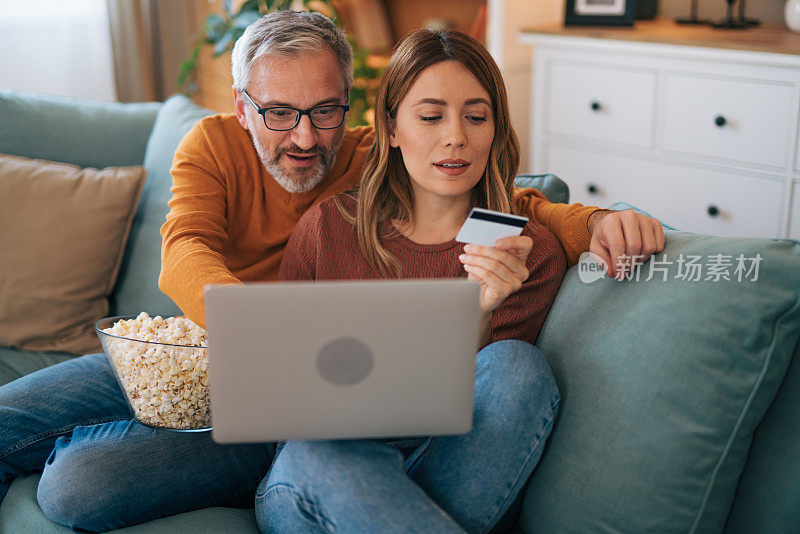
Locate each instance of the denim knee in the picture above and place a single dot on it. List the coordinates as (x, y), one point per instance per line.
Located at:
(290, 498)
(73, 488)
(280, 508)
(302, 462)
(518, 372)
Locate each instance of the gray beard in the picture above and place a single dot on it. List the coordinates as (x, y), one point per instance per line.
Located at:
(294, 183)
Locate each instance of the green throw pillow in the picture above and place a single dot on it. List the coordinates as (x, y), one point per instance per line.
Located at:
(662, 386)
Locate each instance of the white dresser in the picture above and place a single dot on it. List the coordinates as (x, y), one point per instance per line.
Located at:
(698, 128)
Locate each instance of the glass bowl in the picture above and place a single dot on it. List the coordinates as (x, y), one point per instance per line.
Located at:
(165, 385)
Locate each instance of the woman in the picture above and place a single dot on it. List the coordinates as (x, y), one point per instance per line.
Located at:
(444, 144)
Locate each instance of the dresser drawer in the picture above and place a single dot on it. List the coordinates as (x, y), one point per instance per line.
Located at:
(794, 215)
(708, 202)
(737, 120)
(604, 103)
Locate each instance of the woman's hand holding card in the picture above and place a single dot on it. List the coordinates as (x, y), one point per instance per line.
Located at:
(501, 269)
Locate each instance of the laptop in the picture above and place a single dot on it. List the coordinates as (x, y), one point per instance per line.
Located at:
(341, 359)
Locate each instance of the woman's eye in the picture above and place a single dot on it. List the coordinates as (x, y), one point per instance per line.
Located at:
(431, 118)
(476, 119)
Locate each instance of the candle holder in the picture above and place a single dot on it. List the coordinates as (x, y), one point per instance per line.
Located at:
(692, 16)
(744, 20)
(730, 23)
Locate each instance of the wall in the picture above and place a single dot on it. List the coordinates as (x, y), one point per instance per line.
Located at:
(506, 19)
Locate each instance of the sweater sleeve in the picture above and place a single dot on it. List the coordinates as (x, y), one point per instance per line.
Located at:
(300, 256)
(194, 233)
(569, 222)
(522, 314)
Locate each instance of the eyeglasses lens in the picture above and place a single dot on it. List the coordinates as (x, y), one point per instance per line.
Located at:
(286, 118)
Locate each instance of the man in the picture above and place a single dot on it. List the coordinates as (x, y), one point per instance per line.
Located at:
(240, 184)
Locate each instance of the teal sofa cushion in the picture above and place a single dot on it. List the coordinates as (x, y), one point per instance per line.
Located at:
(768, 497)
(551, 185)
(662, 385)
(20, 512)
(15, 363)
(83, 132)
(137, 285)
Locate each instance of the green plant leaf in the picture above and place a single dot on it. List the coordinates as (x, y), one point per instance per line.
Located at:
(243, 20)
(236, 32)
(222, 45)
(215, 28)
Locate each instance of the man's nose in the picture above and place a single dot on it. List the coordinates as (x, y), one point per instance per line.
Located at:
(455, 135)
(304, 134)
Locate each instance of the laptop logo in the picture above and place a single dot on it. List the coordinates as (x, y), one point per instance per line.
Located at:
(345, 361)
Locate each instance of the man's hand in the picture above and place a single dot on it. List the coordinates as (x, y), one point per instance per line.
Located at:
(621, 237)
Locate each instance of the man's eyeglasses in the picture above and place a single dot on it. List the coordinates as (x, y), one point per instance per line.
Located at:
(283, 118)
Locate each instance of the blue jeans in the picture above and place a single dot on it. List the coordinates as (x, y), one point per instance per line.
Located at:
(447, 484)
(102, 470)
(71, 421)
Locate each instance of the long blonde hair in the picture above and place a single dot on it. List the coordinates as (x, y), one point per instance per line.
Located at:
(385, 192)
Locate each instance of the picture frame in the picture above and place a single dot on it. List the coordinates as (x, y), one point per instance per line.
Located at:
(600, 12)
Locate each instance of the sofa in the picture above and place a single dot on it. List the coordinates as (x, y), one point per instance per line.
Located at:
(680, 407)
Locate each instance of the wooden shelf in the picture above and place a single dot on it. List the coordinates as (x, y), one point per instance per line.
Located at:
(408, 15)
(767, 38)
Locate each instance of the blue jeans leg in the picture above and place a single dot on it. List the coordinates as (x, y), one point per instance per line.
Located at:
(101, 470)
(477, 476)
(118, 474)
(37, 409)
(345, 486)
(456, 482)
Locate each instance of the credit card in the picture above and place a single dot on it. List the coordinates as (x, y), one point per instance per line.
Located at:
(485, 227)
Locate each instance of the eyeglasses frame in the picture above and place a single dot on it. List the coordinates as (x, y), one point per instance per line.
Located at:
(300, 113)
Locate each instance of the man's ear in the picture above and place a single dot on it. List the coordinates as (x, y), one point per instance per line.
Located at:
(390, 125)
(239, 104)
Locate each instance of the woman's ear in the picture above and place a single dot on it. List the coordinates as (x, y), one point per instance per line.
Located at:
(390, 125)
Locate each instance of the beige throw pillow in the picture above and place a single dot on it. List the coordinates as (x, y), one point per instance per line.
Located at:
(62, 234)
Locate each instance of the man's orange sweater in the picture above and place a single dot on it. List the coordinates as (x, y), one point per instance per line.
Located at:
(229, 220)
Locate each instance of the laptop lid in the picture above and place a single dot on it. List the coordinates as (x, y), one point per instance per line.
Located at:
(341, 359)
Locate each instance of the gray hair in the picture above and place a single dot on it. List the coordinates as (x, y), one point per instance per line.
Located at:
(293, 33)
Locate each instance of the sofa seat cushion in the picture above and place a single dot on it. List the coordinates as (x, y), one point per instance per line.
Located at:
(15, 363)
(64, 230)
(663, 383)
(20, 512)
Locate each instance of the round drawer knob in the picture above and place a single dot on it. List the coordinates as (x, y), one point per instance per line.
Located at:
(592, 189)
(595, 105)
(713, 211)
(720, 121)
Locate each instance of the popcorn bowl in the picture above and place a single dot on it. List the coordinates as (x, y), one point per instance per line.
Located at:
(165, 384)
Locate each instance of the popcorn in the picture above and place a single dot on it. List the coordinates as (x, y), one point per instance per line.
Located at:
(165, 379)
